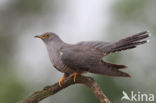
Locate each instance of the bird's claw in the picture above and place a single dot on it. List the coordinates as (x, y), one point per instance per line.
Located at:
(74, 76)
(61, 80)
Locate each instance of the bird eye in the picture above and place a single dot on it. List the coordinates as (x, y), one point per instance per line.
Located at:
(47, 35)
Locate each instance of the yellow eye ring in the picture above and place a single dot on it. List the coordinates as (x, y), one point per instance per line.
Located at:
(47, 35)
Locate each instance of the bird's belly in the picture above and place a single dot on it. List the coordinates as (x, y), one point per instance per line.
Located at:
(65, 69)
(55, 58)
(57, 63)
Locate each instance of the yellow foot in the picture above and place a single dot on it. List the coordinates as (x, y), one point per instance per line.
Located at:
(61, 80)
(74, 75)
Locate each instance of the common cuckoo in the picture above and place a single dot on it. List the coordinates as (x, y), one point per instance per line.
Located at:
(87, 56)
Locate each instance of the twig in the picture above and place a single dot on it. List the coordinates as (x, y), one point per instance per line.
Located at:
(51, 90)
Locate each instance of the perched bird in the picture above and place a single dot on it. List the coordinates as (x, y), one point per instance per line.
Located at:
(87, 56)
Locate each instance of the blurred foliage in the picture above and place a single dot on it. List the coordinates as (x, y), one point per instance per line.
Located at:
(14, 19)
(127, 13)
(11, 88)
(29, 6)
(130, 9)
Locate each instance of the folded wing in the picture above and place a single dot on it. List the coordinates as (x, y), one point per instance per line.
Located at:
(90, 60)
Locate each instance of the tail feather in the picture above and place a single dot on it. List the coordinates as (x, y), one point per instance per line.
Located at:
(123, 44)
(117, 66)
(130, 42)
(109, 69)
(128, 46)
(136, 37)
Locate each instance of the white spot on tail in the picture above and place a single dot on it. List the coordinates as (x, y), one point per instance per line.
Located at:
(147, 41)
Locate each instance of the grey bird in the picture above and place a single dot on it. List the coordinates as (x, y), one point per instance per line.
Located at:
(87, 56)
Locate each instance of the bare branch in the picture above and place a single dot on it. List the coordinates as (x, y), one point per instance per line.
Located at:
(51, 90)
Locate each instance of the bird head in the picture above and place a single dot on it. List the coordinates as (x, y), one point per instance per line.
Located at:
(47, 37)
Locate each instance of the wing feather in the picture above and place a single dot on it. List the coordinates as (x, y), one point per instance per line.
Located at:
(90, 60)
(80, 58)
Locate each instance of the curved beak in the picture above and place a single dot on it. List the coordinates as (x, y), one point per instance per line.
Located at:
(39, 36)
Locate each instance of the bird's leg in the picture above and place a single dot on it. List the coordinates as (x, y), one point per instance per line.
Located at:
(74, 75)
(61, 80)
(64, 76)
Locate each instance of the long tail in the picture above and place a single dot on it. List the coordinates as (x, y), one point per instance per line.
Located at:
(123, 44)
(129, 42)
(109, 69)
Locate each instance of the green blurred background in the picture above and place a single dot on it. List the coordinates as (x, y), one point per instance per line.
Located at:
(24, 63)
